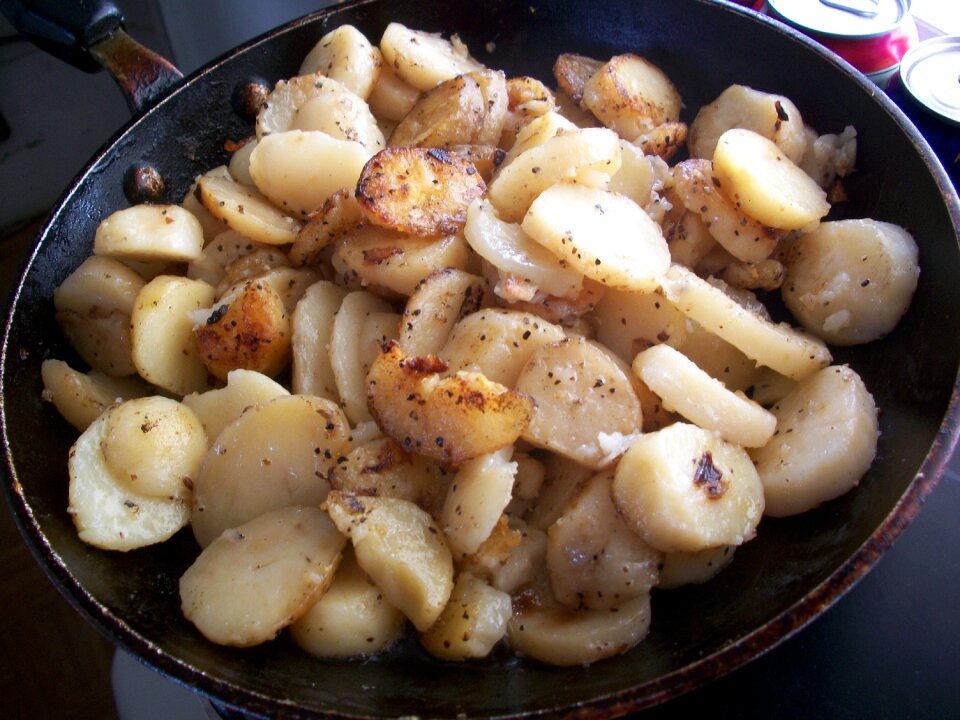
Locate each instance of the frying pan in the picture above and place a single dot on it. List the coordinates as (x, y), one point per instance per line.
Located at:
(776, 584)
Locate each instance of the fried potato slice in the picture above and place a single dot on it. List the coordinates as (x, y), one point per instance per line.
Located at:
(424, 59)
(476, 499)
(149, 233)
(219, 407)
(418, 191)
(82, 397)
(572, 72)
(311, 330)
(392, 98)
(440, 300)
(452, 113)
(473, 622)
(257, 578)
(449, 419)
(246, 210)
(339, 214)
(346, 55)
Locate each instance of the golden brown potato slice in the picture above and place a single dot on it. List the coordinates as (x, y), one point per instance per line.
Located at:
(572, 73)
(449, 419)
(339, 214)
(485, 158)
(418, 191)
(452, 113)
(251, 332)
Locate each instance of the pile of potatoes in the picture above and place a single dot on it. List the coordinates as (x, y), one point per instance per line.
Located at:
(453, 351)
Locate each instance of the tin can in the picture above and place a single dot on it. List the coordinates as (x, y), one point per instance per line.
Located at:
(872, 35)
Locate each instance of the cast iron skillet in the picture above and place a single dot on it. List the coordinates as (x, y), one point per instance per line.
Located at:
(776, 584)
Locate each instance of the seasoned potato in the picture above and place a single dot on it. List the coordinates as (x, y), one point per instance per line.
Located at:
(245, 210)
(585, 402)
(259, 577)
(102, 340)
(344, 54)
(771, 115)
(825, 442)
(418, 191)
(686, 489)
(392, 98)
(402, 550)
(629, 322)
(339, 214)
(497, 343)
(290, 284)
(452, 113)
(829, 156)
(423, 59)
(850, 281)
(777, 346)
(476, 499)
(537, 132)
(472, 623)
(276, 453)
(525, 561)
(682, 568)
(100, 285)
(149, 233)
(589, 156)
(107, 513)
(663, 141)
(703, 400)
(253, 260)
(605, 236)
(161, 328)
(220, 407)
(450, 419)
(311, 330)
(298, 170)
(763, 183)
(251, 332)
(219, 254)
(594, 560)
(155, 445)
(439, 301)
(351, 619)
(572, 72)
(81, 397)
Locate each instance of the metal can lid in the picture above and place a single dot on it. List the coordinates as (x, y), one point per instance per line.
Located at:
(842, 18)
(930, 71)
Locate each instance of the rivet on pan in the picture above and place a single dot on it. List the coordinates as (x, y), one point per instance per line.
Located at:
(143, 183)
(248, 97)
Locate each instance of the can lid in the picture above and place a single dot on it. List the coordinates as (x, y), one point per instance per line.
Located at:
(842, 18)
(930, 72)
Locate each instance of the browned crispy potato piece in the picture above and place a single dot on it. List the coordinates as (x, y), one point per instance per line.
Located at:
(451, 113)
(572, 73)
(339, 214)
(448, 419)
(485, 158)
(663, 140)
(251, 332)
(418, 191)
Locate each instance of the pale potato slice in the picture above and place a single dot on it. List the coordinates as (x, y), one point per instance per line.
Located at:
(392, 264)
(155, 445)
(239, 165)
(589, 156)
(631, 95)
(99, 283)
(148, 233)
(537, 132)
(346, 55)
(778, 346)
(452, 113)
(298, 170)
(211, 225)
(764, 183)
(105, 511)
(594, 559)
(247, 211)
(438, 302)
(164, 350)
(220, 407)
(562, 481)
(583, 400)
(402, 550)
(249, 331)
(690, 240)
(351, 619)
(605, 236)
(382, 468)
(423, 59)
(508, 248)
(498, 342)
(721, 360)
(276, 453)
(102, 340)
(525, 562)
(392, 98)
(419, 191)
(81, 397)
(349, 371)
(219, 254)
(686, 489)
(568, 638)
(825, 442)
(450, 419)
(694, 568)
(850, 281)
(473, 622)
(638, 177)
(259, 577)
(312, 329)
(629, 322)
(254, 264)
(477, 497)
(771, 115)
(701, 399)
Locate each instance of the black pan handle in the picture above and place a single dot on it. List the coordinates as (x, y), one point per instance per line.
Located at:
(89, 35)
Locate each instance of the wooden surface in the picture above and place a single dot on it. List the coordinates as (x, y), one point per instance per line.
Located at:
(56, 665)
